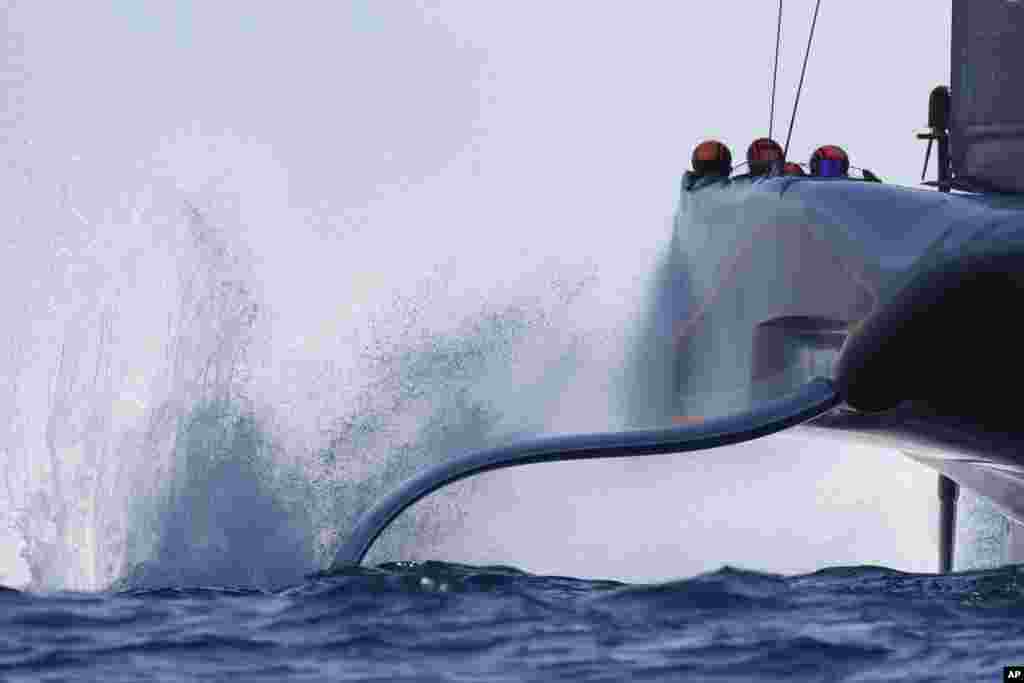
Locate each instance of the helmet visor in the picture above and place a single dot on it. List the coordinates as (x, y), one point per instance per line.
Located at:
(830, 168)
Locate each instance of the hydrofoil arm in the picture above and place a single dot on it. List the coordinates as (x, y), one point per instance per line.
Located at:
(810, 401)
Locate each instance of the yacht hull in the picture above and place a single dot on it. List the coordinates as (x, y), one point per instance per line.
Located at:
(904, 297)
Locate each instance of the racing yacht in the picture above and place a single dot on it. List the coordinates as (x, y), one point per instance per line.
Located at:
(874, 312)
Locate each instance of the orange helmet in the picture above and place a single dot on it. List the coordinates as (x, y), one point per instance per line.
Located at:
(712, 157)
(830, 160)
(762, 153)
(793, 168)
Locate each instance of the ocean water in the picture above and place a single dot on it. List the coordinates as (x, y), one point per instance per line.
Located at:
(434, 621)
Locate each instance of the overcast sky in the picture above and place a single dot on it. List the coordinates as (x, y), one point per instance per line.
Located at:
(364, 144)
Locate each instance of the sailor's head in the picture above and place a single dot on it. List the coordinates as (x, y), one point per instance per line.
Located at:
(711, 157)
(830, 161)
(762, 154)
(793, 168)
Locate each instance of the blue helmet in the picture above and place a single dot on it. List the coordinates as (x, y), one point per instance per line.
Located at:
(830, 161)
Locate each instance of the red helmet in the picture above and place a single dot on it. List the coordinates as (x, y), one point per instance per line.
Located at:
(793, 168)
(712, 157)
(830, 153)
(762, 153)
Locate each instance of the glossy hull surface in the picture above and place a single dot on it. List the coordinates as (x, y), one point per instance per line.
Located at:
(787, 279)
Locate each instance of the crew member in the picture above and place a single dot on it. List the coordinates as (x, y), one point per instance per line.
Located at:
(830, 161)
(711, 160)
(763, 155)
(793, 168)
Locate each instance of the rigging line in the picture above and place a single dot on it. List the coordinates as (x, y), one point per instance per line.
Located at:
(800, 87)
(775, 74)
